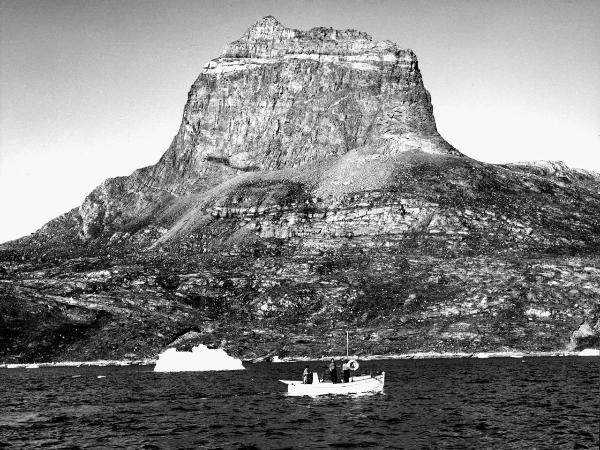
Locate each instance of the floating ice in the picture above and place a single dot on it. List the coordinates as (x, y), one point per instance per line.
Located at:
(590, 352)
(201, 358)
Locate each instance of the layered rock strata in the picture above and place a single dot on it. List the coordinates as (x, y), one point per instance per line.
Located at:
(277, 98)
(308, 192)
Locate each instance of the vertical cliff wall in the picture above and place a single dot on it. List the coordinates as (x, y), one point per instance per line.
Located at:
(278, 98)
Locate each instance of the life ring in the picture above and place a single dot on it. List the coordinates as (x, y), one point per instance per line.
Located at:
(353, 364)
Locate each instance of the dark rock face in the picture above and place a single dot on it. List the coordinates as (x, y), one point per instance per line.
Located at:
(306, 192)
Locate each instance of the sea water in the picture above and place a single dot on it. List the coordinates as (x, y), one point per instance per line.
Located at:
(437, 403)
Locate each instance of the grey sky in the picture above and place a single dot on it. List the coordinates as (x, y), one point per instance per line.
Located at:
(94, 89)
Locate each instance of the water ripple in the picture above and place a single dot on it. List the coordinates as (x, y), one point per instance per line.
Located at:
(492, 403)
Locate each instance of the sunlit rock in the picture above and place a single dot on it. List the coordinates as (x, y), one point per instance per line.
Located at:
(307, 190)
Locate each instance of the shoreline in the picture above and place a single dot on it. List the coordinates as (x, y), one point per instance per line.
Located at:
(97, 363)
(276, 359)
(450, 355)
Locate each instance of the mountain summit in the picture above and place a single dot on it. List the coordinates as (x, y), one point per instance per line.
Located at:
(307, 190)
(279, 98)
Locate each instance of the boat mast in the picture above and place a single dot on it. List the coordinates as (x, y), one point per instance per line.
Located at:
(346, 343)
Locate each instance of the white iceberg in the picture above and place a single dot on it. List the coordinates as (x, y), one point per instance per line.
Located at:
(201, 358)
(590, 352)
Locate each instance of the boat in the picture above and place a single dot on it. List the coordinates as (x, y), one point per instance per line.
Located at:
(358, 385)
(363, 384)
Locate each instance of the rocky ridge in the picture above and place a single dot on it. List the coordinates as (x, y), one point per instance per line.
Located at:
(307, 192)
(278, 98)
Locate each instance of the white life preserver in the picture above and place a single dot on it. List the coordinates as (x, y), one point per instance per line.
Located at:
(353, 364)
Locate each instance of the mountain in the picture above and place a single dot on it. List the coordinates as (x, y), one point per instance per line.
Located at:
(306, 192)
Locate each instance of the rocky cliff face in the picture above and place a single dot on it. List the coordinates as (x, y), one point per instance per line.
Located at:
(308, 191)
(278, 98)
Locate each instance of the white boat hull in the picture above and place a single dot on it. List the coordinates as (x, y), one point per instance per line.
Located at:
(358, 385)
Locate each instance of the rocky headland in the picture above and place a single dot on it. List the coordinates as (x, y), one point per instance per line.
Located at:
(306, 192)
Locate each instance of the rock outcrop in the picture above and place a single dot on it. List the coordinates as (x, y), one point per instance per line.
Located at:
(278, 98)
(308, 191)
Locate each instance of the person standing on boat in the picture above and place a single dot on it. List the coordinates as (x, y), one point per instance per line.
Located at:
(332, 371)
(307, 376)
(346, 371)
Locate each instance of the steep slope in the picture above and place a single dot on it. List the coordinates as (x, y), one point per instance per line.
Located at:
(306, 192)
(278, 98)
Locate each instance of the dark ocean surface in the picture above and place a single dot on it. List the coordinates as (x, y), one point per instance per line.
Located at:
(444, 403)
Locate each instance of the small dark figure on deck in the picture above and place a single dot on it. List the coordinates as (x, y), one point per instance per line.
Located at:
(307, 376)
(346, 371)
(332, 371)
